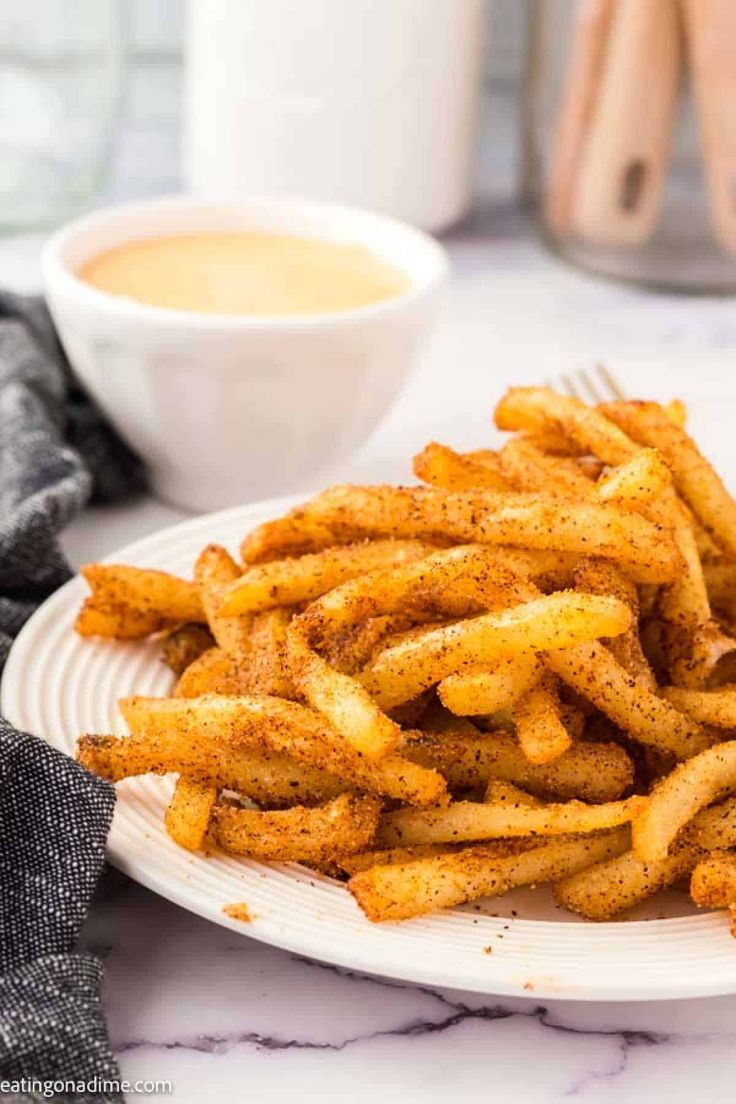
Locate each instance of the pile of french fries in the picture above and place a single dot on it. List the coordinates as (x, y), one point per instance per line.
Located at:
(515, 673)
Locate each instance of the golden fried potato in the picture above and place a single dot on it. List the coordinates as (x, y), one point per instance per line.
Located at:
(269, 778)
(182, 645)
(262, 724)
(189, 813)
(469, 759)
(128, 603)
(346, 824)
(400, 891)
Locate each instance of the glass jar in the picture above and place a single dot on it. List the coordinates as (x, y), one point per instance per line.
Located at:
(631, 138)
(61, 64)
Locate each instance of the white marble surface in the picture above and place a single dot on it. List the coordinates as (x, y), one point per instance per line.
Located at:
(223, 1016)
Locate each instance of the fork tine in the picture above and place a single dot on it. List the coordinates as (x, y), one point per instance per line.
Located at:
(611, 382)
(589, 388)
(568, 386)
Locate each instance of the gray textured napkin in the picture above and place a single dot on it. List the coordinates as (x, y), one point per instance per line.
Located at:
(56, 454)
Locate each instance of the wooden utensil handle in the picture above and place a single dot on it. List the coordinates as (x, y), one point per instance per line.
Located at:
(625, 156)
(710, 28)
(587, 51)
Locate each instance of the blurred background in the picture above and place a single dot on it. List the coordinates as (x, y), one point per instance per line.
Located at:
(141, 92)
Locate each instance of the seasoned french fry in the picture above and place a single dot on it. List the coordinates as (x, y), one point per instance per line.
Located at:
(486, 691)
(268, 778)
(189, 813)
(457, 580)
(540, 730)
(340, 698)
(594, 576)
(527, 468)
(539, 409)
(129, 602)
(292, 581)
(261, 724)
(345, 824)
(720, 580)
(211, 673)
(119, 623)
(184, 644)
(713, 881)
(469, 820)
(214, 571)
(638, 482)
(505, 793)
(605, 890)
(559, 590)
(677, 798)
(443, 467)
(555, 621)
(268, 669)
(364, 860)
(398, 892)
(469, 759)
(695, 478)
(592, 671)
(709, 707)
(619, 883)
(530, 521)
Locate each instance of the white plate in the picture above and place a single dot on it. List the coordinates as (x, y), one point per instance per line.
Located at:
(57, 685)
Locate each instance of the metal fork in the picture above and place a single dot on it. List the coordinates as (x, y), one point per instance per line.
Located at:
(597, 385)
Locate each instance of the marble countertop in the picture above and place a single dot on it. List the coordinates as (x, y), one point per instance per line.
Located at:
(217, 1013)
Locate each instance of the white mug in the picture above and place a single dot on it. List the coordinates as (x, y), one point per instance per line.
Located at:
(367, 102)
(230, 408)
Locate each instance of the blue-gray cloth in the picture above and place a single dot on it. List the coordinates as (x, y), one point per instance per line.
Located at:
(57, 454)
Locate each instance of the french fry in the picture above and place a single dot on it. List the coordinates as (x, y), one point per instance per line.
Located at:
(266, 777)
(604, 890)
(214, 571)
(293, 581)
(119, 623)
(677, 798)
(443, 467)
(189, 813)
(398, 892)
(540, 730)
(264, 725)
(713, 881)
(592, 671)
(469, 759)
(695, 478)
(340, 698)
(469, 820)
(457, 580)
(364, 860)
(213, 672)
(539, 409)
(184, 644)
(527, 468)
(486, 691)
(321, 834)
(551, 622)
(566, 557)
(505, 793)
(130, 602)
(268, 669)
(716, 708)
(594, 576)
(619, 883)
(530, 521)
(637, 482)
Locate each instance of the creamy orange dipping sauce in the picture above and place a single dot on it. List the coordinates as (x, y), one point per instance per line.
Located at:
(233, 272)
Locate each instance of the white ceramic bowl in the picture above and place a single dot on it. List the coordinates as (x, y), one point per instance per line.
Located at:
(225, 409)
